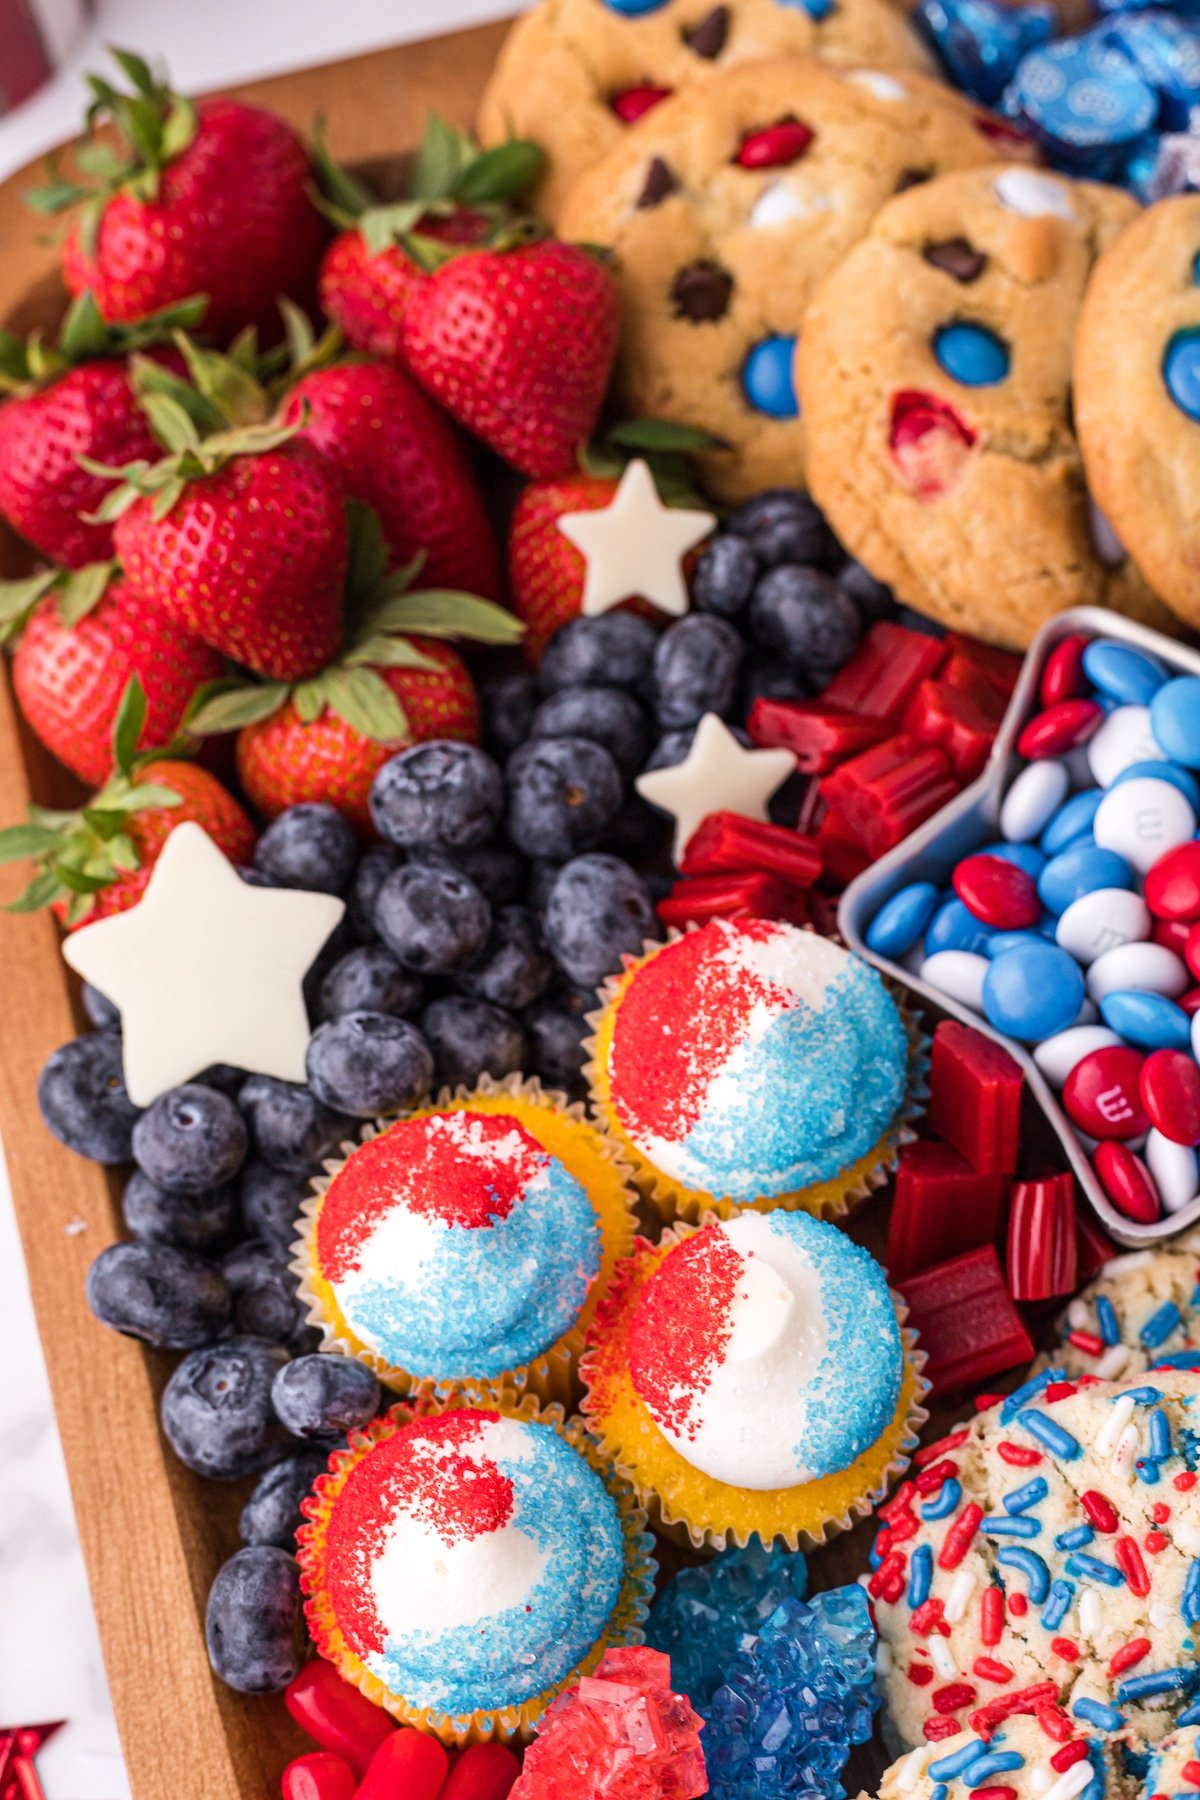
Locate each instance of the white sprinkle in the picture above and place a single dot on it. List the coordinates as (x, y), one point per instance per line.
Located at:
(959, 1597)
(913, 1767)
(1079, 1315)
(864, 1581)
(1090, 1616)
(1041, 1778)
(883, 1659)
(1125, 1265)
(944, 1665)
(1113, 1361)
(1187, 1537)
(1114, 1425)
(1160, 1615)
(1125, 1452)
(1073, 1782)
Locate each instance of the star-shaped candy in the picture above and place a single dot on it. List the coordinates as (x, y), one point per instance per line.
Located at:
(206, 969)
(635, 545)
(717, 775)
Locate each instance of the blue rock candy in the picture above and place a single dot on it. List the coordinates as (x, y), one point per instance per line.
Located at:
(703, 1616)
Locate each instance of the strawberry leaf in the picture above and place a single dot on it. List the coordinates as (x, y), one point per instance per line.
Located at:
(149, 796)
(504, 173)
(81, 590)
(20, 842)
(170, 422)
(388, 653)
(106, 822)
(367, 704)
(42, 891)
(84, 332)
(442, 159)
(446, 612)
(383, 227)
(131, 717)
(368, 551)
(226, 383)
(221, 706)
(661, 434)
(135, 69)
(348, 196)
(178, 130)
(18, 599)
(309, 700)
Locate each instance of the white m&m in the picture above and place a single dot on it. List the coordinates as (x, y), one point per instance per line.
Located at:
(1150, 968)
(1100, 921)
(1142, 818)
(1125, 737)
(1033, 799)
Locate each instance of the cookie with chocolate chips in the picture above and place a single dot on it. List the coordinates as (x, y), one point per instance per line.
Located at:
(574, 74)
(725, 206)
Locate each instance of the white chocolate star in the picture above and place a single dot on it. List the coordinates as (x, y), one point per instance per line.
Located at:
(206, 969)
(635, 545)
(717, 775)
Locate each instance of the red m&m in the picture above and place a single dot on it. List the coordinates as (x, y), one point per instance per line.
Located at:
(1062, 676)
(997, 892)
(1172, 888)
(1060, 728)
(1127, 1182)
(1170, 1089)
(1102, 1094)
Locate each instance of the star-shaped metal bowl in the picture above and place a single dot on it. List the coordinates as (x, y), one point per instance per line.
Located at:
(972, 820)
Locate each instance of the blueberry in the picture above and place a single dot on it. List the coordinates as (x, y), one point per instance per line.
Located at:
(289, 1128)
(438, 796)
(100, 1010)
(542, 876)
(253, 1623)
(557, 1026)
(310, 846)
(166, 1297)
(367, 1063)
(375, 865)
(190, 1139)
(599, 911)
(509, 703)
(514, 966)
(263, 1290)
(873, 600)
(470, 1038)
(782, 525)
(671, 748)
(725, 576)
(81, 1093)
(324, 1396)
(766, 676)
(606, 715)
(497, 869)
(563, 794)
(368, 979)
(222, 1076)
(640, 833)
(216, 1409)
(433, 918)
(695, 670)
(805, 617)
(272, 1513)
(271, 1202)
(614, 650)
(201, 1222)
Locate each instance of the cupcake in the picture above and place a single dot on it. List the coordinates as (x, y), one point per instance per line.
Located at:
(1141, 1311)
(752, 1378)
(466, 1246)
(463, 1565)
(750, 1064)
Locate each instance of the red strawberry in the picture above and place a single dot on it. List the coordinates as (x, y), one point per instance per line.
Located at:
(545, 570)
(365, 291)
(210, 198)
(392, 449)
(83, 640)
(518, 345)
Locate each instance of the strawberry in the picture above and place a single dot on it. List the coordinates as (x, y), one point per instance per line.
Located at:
(210, 198)
(325, 738)
(392, 449)
(97, 861)
(65, 401)
(518, 345)
(364, 290)
(82, 637)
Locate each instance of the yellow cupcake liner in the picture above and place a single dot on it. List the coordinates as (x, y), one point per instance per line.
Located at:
(691, 1507)
(564, 1129)
(831, 1199)
(625, 1624)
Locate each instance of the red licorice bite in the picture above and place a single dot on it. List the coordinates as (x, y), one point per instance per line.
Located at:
(884, 673)
(336, 1715)
(481, 1772)
(975, 1099)
(411, 1763)
(1042, 1258)
(819, 735)
(726, 843)
(319, 1776)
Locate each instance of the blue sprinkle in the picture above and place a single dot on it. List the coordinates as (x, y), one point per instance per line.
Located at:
(1190, 1715)
(1160, 1325)
(947, 1767)
(1031, 1565)
(1019, 1500)
(1141, 1396)
(1106, 1315)
(1052, 1435)
(1096, 1787)
(1057, 1603)
(1195, 1299)
(875, 1557)
(1189, 1606)
(1179, 1359)
(998, 1763)
(1028, 1390)
(944, 1502)
(920, 1575)
(1001, 1525)
(1075, 1539)
(1098, 1712)
(1147, 1471)
(1094, 1569)
(1161, 1681)
(940, 1791)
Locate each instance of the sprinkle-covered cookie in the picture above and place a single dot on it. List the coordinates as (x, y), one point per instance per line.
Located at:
(725, 207)
(575, 74)
(1137, 395)
(935, 375)
(1142, 1309)
(1020, 1758)
(1044, 1560)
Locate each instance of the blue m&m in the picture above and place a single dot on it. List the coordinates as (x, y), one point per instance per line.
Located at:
(1124, 673)
(971, 354)
(633, 9)
(1033, 992)
(901, 921)
(1181, 370)
(1175, 717)
(769, 378)
(1077, 870)
(1148, 1020)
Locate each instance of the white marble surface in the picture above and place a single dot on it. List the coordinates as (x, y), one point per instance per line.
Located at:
(50, 1664)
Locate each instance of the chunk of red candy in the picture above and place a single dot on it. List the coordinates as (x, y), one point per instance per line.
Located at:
(482, 1772)
(336, 1715)
(1190, 1002)
(822, 912)
(999, 668)
(1172, 934)
(939, 713)
(724, 842)
(1102, 1094)
(1059, 729)
(1041, 1238)
(641, 1742)
(1191, 947)
(885, 672)
(1170, 1089)
(967, 1323)
(888, 791)
(633, 102)
(1062, 671)
(1172, 886)
(319, 1776)
(941, 1207)
(819, 735)
(843, 858)
(410, 1765)
(752, 894)
(1127, 1182)
(774, 146)
(929, 441)
(1093, 1248)
(975, 1091)
(997, 892)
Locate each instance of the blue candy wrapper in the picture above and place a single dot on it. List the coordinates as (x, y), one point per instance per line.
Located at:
(980, 43)
(1084, 102)
(1165, 51)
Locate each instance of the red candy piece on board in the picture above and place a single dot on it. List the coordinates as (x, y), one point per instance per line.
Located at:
(1059, 729)
(1170, 1089)
(749, 895)
(1102, 1094)
(941, 714)
(999, 668)
(929, 441)
(320, 1776)
(1172, 886)
(482, 1772)
(409, 1763)
(619, 1732)
(967, 1323)
(1062, 672)
(885, 672)
(774, 146)
(1093, 1248)
(724, 842)
(818, 735)
(1128, 1183)
(844, 859)
(887, 792)
(975, 1091)
(941, 1207)
(997, 892)
(336, 1715)
(1042, 1256)
(632, 103)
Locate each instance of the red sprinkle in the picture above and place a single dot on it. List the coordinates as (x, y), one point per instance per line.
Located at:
(1128, 1655)
(887, 1583)
(1018, 1605)
(930, 1480)
(1054, 1722)
(1069, 1755)
(958, 1539)
(991, 1621)
(932, 1452)
(983, 1402)
(1129, 1560)
(1018, 1455)
(988, 1669)
(996, 1793)
(948, 1699)
(927, 1618)
(1023, 1700)
(1191, 1772)
(935, 1728)
(1059, 1390)
(1185, 1482)
(1100, 1511)
(900, 1501)
(902, 1527)
(1065, 1647)
(920, 1674)
(1155, 1541)
(1087, 1341)
(1160, 1512)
